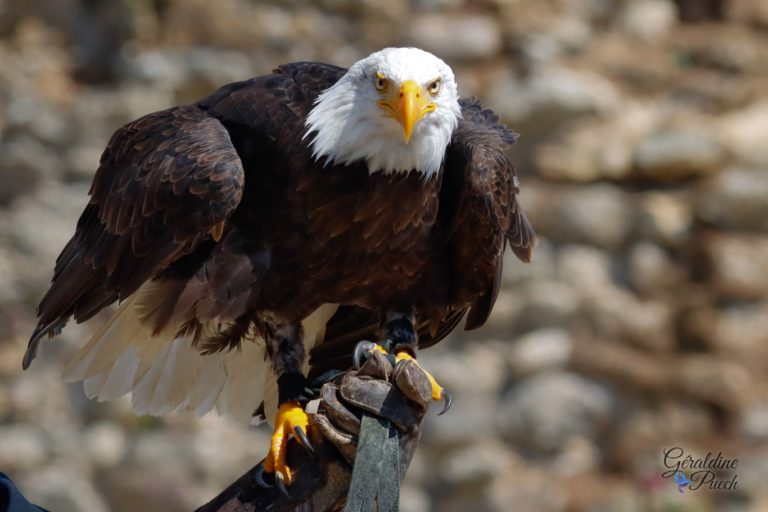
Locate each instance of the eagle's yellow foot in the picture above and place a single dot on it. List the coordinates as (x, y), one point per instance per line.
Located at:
(291, 421)
(438, 391)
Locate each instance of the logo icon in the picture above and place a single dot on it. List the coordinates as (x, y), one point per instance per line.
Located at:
(681, 480)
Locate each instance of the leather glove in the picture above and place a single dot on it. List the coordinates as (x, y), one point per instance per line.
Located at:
(400, 394)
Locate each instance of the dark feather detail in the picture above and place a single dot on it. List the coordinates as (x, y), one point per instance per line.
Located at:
(165, 184)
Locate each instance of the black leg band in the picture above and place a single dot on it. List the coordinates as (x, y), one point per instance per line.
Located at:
(290, 386)
(401, 335)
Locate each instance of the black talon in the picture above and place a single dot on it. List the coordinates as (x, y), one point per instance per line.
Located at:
(281, 485)
(360, 349)
(448, 400)
(259, 477)
(302, 436)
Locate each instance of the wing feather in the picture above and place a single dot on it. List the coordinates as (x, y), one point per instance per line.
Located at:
(487, 214)
(165, 184)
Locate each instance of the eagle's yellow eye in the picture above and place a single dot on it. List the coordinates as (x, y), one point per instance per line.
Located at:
(434, 87)
(380, 82)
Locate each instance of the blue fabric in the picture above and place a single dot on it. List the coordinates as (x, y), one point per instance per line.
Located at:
(11, 500)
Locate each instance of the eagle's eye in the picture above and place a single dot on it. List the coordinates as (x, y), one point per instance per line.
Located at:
(380, 82)
(434, 87)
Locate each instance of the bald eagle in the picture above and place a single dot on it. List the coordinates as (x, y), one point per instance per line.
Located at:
(286, 217)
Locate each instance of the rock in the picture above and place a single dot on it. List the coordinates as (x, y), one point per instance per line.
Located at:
(735, 199)
(541, 266)
(42, 121)
(25, 163)
(743, 133)
(502, 322)
(620, 364)
(541, 350)
(753, 471)
(478, 461)
(748, 11)
(430, 5)
(162, 67)
(651, 271)
(648, 20)
(586, 269)
(483, 361)
(591, 149)
(735, 54)
(43, 223)
(41, 398)
(11, 291)
(663, 218)
(105, 443)
(471, 418)
(547, 304)
(21, 447)
(644, 430)
(544, 411)
(738, 265)
(82, 162)
(221, 448)
(697, 11)
(550, 95)
(455, 37)
(98, 113)
(57, 487)
(736, 331)
(672, 155)
(528, 490)
(586, 154)
(740, 330)
(207, 69)
(149, 489)
(578, 456)
(413, 498)
(560, 37)
(160, 453)
(474, 400)
(616, 314)
(753, 422)
(597, 214)
(715, 381)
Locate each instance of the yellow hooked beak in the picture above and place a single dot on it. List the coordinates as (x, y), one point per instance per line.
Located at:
(407, 106)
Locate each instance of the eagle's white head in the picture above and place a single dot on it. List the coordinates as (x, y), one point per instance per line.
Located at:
(396, 109)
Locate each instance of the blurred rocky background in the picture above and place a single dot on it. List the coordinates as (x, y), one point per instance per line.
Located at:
(642, 323)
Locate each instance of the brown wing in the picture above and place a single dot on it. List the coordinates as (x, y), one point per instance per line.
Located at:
(166, 182)
(481, 183)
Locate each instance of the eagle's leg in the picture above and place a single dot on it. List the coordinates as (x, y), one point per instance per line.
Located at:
(401, 339)
(285, 347)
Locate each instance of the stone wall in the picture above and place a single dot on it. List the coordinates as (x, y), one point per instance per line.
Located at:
(641, 325)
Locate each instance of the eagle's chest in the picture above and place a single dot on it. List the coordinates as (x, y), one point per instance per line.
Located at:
(369, 218)
(358, 238)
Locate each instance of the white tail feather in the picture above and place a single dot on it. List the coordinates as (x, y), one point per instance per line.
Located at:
(165, 373)
(120, 376)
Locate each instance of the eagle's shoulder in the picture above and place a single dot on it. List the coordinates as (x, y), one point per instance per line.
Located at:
(311, 77)
(480, 125)
(270, 101)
